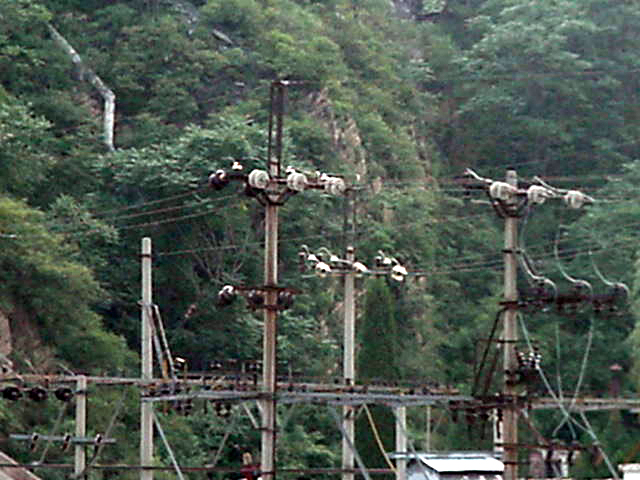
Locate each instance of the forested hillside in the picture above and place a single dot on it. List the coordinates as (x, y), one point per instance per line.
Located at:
(399, 99)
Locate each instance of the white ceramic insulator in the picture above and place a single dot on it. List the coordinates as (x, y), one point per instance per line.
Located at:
(296, 181)
(502, 191)
(258, 179)
(574, 199)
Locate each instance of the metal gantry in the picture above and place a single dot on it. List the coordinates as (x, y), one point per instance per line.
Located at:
(229, 390)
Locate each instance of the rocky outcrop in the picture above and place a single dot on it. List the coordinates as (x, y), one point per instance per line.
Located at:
(27, 350)
(5, 336)
(345, 136)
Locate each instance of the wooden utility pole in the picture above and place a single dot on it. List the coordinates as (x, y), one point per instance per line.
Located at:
(349, 369)
(146, 408)
(510, 337)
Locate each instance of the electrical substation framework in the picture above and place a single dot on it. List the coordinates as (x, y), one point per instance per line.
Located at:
(272, 187)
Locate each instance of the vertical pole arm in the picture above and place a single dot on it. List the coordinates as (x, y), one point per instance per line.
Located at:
(146, 408)
(348, 411)
(81, 424)
(510, 337)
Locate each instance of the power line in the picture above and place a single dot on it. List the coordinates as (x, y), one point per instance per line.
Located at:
(82, 231)
(150, 202)
(463, 266)
(514, 74)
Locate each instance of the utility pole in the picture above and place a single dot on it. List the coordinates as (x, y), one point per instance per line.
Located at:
(427, 441)
(349, 368)
(510, 337)
(348, 267)
(268, 438)
(509, 202)
(81, 424)
(272, 189)
(401, 442)
(146, 408)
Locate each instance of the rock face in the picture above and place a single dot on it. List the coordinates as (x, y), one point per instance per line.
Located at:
(6, 345)
(345, 136)
(27, 349)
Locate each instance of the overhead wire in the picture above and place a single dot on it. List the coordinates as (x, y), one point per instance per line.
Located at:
(450, 268)
(558, 375)
(147, 203)
(566, 252)
(460, 267)
(597, 443)
(73, 230)
(563, 252)
(513, 74)
(546, 382)
(581, 375)
(376, 435)
(585, 426)
(433, 270)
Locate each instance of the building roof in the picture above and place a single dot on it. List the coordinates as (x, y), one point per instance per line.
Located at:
(457, 462)
(14, 473)
(629, 467)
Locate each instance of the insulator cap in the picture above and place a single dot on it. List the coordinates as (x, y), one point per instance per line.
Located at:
(502, 191)
(285, 299)
(322, 269)
(226, 295)
(574, 199)
(537, 194)
(64, 394)
(37, 394)
(398, 272)
(258, 179)
(359, 267)
(255, 298)
(11, 393)
(335, 186)
(296, 181)
(218, 180)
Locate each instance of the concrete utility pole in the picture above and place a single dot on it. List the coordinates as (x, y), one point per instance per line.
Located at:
(349, 368)
(81, 423)
(427, 440)
(268, 439)
(348, 267)
(510, 337)
(146, 408)
(272, 189)
(401, 442)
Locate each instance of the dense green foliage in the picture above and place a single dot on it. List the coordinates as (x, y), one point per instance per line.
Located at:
(398, 98)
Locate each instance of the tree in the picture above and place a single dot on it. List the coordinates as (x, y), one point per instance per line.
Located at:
(376, 361)
(540, 87)
(49, 297)
(24, 160)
